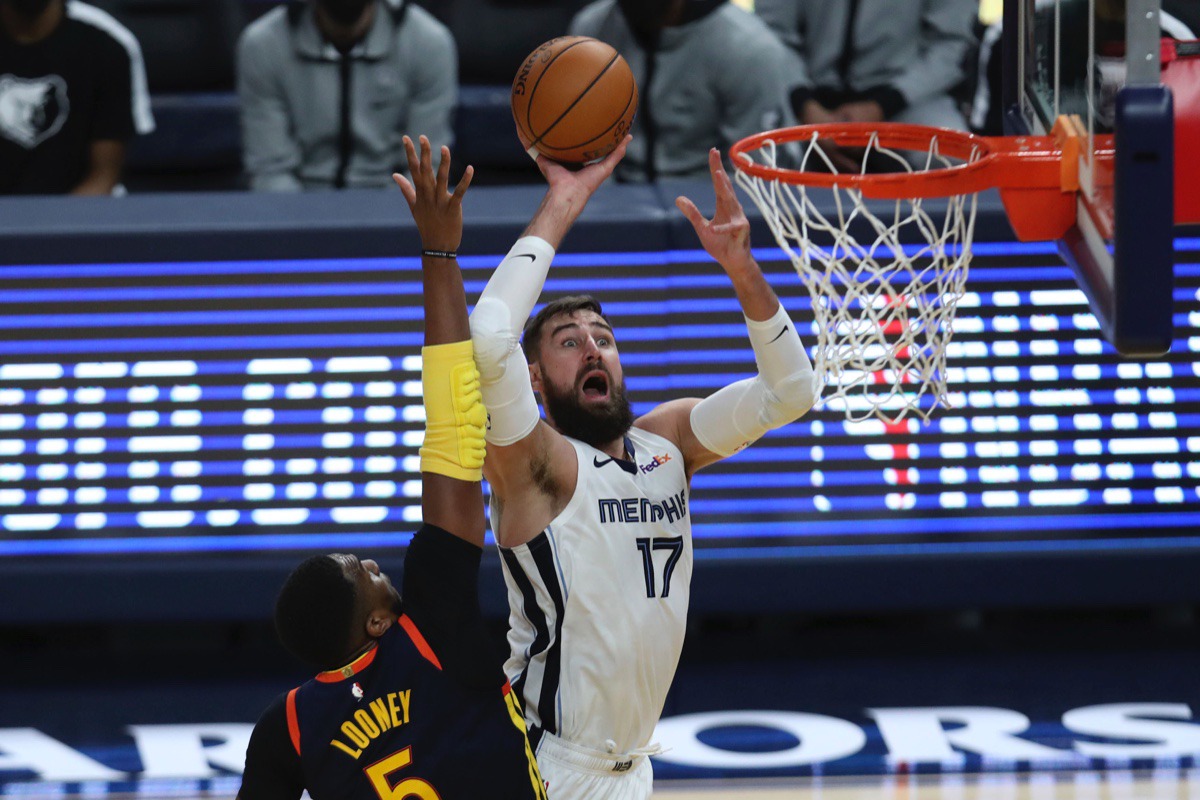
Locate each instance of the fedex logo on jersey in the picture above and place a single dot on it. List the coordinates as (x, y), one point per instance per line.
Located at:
(655, 464)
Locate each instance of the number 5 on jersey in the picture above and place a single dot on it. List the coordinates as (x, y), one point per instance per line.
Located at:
(674, 544)
(380, 773)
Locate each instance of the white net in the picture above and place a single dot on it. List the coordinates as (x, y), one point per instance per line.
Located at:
(884, 295)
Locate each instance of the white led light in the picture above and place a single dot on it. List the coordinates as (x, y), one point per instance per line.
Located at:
(143, 469)
(185, 418)
(144, 494)
(1043, 473)
(222, 517)
(359, 515)
(1006, 324)
(951, 425)
(54, 496)
(1043, 422)
(378, 464)
(1085, 472)
(300, 391)
(967, 325)
(969, 300)
(165, 444)
(11, 397)
(337, 390)
(816, 477)
(185, 493)
(1159, 371)
(165, 519)
(380, 389)
(30, 372)
(89, 420)
(1128, 396)
(978, 375)
(1162, 420)
(952, 450)
(411, 513)
(900, 502)
(1043, 372)
(411, 388)
(1088, 447)
(1086, 372)
(90, 495)
(380, 414)
(1168, 494)
(413, 413)
(381, 489)
(1059, 398)
(52, 472)
(337, 415)
(90, 395)
(1006, 299)
(412, 488)
(1117, 496)
(337, 440)
(51, 422)
(952, 500)
(52, 447)
(258, 466)
(11, 472)
(1193, 470)
(1147, 446)
(1125, 422)
(1043, 322)
(337, 490)
(411, 363)
(1167, 471)
(279, 516)
(185, 394)
(143, 419)
(95, 370)
(158, 369)
(879, 452)
(999, 474)
(1119, 471)
(301, 491)
(1006, 349)
(258, 416)
(256, 492)
(952, 475)
(388, 439)
(983, 424)
(1058, 497)
(143, 394)
(12, 497)
(1089, 347)
(411, 464)
(997, 449)
(90, 522)
(1043, 347)
(30, 522)
(1160, 394)
(258, 441)
(1129, 371)
(1085, 322)
(279, 366)
(301, 466)
(359, 364)
(337, 466)
(1000, 499)
(90, 446)
(11, 447)
(1006, 374)
(258, 391)
(51, 397)
(981, 399)
(1086, 422)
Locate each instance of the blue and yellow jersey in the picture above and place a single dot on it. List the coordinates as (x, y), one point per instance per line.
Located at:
(402, 720)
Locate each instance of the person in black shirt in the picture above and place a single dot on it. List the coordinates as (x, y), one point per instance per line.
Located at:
(72, 93)
(411, 702)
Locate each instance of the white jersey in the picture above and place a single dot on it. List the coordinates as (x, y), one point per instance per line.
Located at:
(598, 600)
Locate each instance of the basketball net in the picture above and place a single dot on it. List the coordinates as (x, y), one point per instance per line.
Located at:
(884, 309)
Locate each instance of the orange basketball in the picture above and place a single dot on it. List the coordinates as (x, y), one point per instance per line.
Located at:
(573, 100)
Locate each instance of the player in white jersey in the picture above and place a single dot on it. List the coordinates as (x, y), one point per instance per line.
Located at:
(590, 507)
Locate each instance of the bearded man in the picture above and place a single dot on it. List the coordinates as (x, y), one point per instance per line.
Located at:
(72, 94)
(590, 506)
(330, 88)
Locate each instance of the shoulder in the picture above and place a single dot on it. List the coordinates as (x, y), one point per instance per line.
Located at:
(102, 29)
(747, 34)
(668, 420)
(271, 27)
(423, 23)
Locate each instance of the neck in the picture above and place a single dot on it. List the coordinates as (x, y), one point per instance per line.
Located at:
(354, 656)
(345, 37)
(616, 449)
(29, 30)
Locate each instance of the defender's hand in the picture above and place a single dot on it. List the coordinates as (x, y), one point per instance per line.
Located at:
(726, 236)
(436, 210)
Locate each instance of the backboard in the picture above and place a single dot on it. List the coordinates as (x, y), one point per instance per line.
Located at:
(1099, 60)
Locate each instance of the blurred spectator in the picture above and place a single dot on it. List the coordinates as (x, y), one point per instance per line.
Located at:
(708, 74)
(876, 60)
(329, 88)
(72, 93)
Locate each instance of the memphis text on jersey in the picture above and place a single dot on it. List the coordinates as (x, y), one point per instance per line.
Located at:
(372, 721)
(642, 509)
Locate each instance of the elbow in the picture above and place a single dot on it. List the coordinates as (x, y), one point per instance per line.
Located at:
(793, 398)
(491, 337)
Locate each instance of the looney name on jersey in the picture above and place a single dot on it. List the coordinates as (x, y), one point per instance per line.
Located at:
(642, 509)
(364, 726)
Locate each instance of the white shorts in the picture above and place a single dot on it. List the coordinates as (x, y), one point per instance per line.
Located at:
(572, 772)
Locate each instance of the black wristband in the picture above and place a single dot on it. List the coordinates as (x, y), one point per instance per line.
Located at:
(440, 253)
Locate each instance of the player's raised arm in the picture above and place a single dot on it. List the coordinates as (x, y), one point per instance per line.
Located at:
(452, 456)
(520, 445)
(784, 388)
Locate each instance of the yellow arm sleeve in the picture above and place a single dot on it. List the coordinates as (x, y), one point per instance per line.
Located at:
(454, 412)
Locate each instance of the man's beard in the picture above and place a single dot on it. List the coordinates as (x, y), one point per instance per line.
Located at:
(595, 425)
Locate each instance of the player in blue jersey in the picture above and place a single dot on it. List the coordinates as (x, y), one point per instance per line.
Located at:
(410, 703)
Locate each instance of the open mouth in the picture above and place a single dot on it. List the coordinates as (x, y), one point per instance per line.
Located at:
(595, 385)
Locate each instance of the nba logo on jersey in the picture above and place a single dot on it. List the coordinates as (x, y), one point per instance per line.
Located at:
(357, 691)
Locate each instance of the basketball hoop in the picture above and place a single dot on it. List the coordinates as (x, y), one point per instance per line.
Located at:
(885, 307)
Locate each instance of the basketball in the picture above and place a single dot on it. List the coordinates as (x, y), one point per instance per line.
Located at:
(573, 100)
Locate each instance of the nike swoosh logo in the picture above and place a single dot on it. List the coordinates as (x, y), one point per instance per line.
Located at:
(530, 256)
(781, 333)
(596, 460)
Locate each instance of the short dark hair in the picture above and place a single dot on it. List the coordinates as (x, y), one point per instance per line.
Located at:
(531, 342)
(315, 611)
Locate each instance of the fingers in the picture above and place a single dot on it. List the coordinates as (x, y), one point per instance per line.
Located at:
(406, 188)
(443, 173)
(411, 152)
(691, 212)
(463, 183)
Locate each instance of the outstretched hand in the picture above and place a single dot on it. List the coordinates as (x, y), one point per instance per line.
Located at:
(585, 181)
(436, 210)
(726, 237)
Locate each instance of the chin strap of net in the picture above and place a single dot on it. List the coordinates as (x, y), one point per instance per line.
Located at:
(884, 310)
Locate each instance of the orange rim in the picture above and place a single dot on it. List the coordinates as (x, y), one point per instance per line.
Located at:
(1000, 161)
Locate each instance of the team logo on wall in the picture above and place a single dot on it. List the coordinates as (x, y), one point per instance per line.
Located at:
(32, 109)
